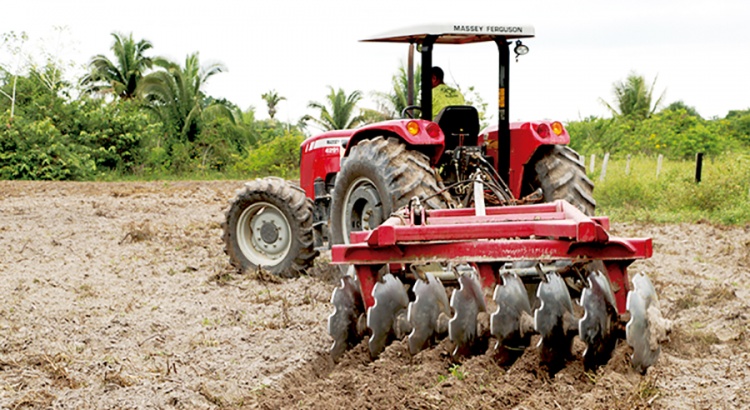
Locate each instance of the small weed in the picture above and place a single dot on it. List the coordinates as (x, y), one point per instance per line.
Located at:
(210, 322)
(285, 312)
(697, 325)
(222, 278)
(457, 372)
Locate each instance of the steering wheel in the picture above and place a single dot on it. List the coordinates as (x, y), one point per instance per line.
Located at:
(406, 112)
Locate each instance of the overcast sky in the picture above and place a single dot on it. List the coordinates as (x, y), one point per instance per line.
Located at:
(700, 50)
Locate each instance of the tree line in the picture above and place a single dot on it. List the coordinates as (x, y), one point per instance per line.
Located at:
(135, 113)
(640, 125)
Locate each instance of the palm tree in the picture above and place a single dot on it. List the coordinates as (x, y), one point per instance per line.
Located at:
(634, 98)
(272, 100)
(176, 94)
(392, 103)
(338, 114)
(122, 76)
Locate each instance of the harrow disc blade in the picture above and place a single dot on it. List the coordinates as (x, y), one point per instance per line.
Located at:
(423, 313)
(467, 302)
(596, 325)
(390, 299)
(508, 324)
(342, 323)
(551, 320)
(640, 332)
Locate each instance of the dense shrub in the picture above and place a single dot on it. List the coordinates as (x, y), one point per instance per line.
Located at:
(38, 150)
(116, 133)
(675, 133)
(280, 157)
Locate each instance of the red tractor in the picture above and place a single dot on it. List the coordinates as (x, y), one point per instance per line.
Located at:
(428, 200)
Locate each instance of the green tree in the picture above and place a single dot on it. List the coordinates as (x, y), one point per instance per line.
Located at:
(393, 102)
(122, 76)
(634, 98)
(272, 99)
(13, 44)
(338, 113)
(680, 105)
(176, 94)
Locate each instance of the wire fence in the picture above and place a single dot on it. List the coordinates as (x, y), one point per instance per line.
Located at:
(659, 165)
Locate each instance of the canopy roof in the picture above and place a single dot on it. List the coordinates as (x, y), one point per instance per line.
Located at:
(454, 33)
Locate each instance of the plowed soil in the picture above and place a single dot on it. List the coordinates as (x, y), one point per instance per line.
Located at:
(119, 295)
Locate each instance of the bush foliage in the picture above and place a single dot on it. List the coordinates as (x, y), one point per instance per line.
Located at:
(675, 133)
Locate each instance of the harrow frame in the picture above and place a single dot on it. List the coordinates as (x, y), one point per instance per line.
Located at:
(489, 238)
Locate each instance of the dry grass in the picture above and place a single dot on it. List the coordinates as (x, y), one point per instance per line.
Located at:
(692, 342)
(644, 394)
(720, 294)
(35, 399)
(138, 232)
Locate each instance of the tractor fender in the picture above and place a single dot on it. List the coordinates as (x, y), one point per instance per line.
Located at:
(428, 138)
(525, 139)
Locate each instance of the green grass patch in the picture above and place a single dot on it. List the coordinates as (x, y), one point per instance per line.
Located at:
(722, 197)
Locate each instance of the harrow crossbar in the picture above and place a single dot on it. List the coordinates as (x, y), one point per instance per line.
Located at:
(509, 233)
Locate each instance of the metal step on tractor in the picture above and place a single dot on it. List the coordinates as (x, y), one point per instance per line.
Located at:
(503, 216)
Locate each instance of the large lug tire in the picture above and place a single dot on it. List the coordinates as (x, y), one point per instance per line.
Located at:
(561, 175)
(269, 224)
(378, 177)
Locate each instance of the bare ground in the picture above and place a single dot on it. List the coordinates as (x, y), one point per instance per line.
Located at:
(119, 295)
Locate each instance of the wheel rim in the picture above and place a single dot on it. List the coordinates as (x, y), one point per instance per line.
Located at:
(363, 208)
(263, 234)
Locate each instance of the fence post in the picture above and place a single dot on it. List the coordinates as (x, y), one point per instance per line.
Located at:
(627, 166)
(591, 165)
(698, 167)
(604, 167)
(658, 164)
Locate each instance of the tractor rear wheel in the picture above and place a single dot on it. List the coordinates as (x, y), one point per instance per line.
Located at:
(561, 175)
(269, 225)
(378, 177)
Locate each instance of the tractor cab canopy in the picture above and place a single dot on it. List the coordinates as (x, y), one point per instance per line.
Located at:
(454, 34)
(427, 36)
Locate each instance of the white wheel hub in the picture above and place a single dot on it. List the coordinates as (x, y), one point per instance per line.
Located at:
(264, 234)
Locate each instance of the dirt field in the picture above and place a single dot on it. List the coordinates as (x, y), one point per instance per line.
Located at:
(119, 295)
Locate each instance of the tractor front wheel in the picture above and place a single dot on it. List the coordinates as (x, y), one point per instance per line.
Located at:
(269, 225)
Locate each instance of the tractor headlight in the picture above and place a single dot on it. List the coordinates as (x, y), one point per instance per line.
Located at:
(520, 49)
(412, 127)
(557, 127)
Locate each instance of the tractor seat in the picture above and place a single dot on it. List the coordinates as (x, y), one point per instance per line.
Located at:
(460, 124)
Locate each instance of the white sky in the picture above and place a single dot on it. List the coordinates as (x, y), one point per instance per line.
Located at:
(699, 49)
